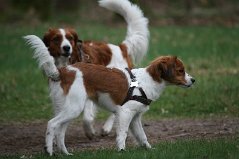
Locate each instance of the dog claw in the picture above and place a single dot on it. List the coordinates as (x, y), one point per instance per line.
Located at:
(122, 150)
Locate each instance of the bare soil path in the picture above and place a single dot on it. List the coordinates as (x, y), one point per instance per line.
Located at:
(28, 138)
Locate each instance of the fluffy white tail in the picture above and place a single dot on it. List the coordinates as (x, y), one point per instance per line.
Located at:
(45, 61)
(137, 37)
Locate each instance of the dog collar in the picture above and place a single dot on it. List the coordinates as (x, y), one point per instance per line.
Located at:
(81, 53)
(135, 84)
(83, 57)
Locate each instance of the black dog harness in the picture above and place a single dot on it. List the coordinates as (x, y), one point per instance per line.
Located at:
(134, 84)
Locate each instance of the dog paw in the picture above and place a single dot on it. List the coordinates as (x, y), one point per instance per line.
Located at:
(47, 151)
(69, 154)
(89, 130)
(90, 136)
(104, 133)
(121, 150)
(147, 146)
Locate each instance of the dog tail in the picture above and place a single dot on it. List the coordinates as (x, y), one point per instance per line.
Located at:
(137, 37)
(45, 61)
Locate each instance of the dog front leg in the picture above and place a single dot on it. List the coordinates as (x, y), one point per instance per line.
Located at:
(71, 111)
(123, 119)
(60, 138)
(138, 131)
(50, 134)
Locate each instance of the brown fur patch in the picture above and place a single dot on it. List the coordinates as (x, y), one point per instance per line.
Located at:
(169, 68)
(99, 53)
(105, 80)
(67, 77)
(96, 52)
(126, 56)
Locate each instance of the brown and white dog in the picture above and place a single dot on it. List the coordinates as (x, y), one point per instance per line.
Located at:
(62, 45)
(82, 83)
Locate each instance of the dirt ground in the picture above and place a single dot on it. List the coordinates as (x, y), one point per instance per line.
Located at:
(28, 138)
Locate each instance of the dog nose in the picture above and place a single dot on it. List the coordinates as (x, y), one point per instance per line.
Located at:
(193, 80)
(66, 48)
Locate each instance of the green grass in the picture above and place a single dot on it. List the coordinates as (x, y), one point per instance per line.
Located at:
(181, 149)
(209, 53)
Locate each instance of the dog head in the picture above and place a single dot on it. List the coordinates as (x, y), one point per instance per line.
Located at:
(171, 70)
(61, 42)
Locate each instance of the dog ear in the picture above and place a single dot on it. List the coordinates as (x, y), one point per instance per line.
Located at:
(76, 55)
(163, 69)
(169, 66)
(167, 72)
(155, 71)
(46, 37)
(73, 32)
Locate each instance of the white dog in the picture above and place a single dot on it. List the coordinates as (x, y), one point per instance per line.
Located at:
(126, 94)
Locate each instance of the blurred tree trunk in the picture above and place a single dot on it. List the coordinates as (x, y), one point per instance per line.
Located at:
(67, 5)
(4, 4)
(39, 7)
(45, 9)
(60, 7)
(188, 5)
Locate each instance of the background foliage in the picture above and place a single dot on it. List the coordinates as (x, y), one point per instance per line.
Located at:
(160, 12)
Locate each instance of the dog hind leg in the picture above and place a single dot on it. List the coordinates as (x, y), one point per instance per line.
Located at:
(106, 129)
(60, 122)
(61, 139)
(88, 119)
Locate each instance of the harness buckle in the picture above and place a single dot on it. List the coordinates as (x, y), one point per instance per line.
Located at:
(134, 83)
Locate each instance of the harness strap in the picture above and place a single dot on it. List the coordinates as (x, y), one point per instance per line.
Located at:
(80, 49)
(131, 74)
(143, 98)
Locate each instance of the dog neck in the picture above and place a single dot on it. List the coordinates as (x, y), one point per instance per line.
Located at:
(61, 61)
(153, 89)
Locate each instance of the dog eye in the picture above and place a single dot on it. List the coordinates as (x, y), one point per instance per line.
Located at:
(181, 71)
(70, 38)
(56, 39)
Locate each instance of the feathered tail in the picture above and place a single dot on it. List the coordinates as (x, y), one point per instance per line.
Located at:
(137, 37)
(45, 61)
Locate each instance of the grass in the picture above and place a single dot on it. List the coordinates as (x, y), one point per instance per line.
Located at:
(181, 149)
(209, 53)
